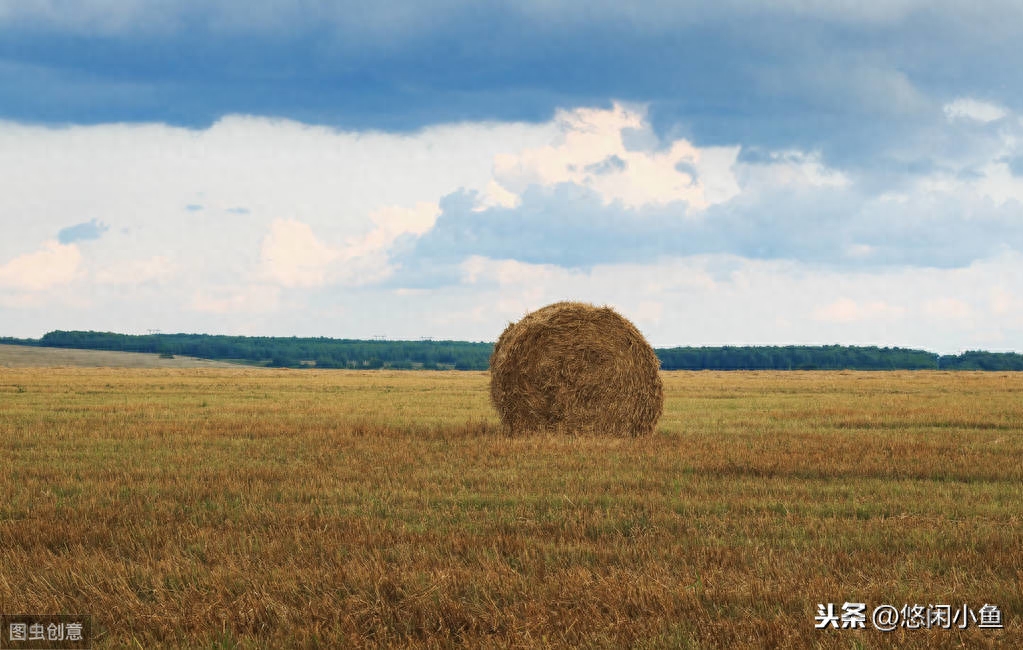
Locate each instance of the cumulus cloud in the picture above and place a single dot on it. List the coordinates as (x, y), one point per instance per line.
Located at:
(948, 308)
(1001, 300)
(496, 196)
(967, 108)
(591, 152)
(53, 265)
(254, 298)
(845, 310)
(136, 271)
(390, 222)
(292, 256)
(592, 197)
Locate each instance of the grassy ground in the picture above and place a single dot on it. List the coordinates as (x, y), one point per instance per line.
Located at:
(257, 508)
(27, 356)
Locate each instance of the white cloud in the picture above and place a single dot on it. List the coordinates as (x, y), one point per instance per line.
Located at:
(991, 181)
(591, 152)
(254, 298)
(648, 311)
(292, 256)
(998, 183)
(390, 222)
(495, 195)
(136, 272)
(54, 264)
(473, 267)
(842, 310)
(948, 308)
(974, 109)
(1002, 302)
(845, 310)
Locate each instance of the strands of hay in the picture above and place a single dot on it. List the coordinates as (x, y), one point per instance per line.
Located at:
(577, 368)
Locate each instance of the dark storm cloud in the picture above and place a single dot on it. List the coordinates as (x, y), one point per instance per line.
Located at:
(847, 80)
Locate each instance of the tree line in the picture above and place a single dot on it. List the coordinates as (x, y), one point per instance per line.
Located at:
(322, 352)
(831, 357)
(283, 352)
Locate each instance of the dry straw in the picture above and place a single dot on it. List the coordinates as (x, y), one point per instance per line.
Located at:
(576, 368)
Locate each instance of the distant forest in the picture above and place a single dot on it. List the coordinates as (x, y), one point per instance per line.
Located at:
(293, 352)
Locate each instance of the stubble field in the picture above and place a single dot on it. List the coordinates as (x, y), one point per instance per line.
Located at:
(259, 508)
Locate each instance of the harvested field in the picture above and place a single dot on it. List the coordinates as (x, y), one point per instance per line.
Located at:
(261, 508)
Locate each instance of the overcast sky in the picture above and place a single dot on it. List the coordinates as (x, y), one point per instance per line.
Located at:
(786, 172)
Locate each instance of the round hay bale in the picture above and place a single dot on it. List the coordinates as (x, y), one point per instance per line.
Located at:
(576, 368)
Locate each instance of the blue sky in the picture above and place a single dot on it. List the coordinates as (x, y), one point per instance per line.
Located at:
(784, 172)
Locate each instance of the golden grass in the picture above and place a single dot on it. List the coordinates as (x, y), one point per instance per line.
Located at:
(255, 508)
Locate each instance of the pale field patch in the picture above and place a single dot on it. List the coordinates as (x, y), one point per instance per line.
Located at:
(27, 356)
